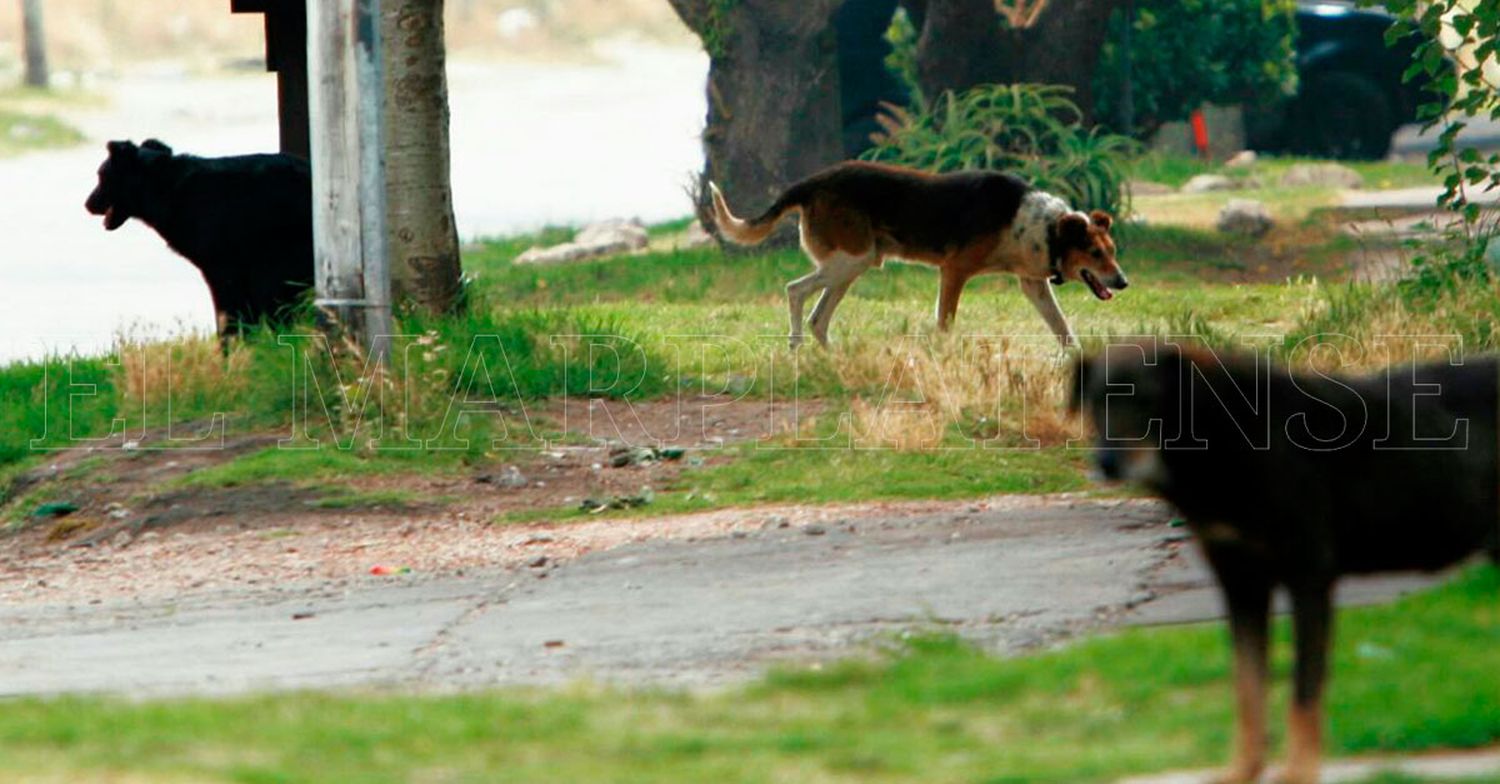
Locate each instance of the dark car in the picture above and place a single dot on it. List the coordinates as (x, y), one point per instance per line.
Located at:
(1350, 98)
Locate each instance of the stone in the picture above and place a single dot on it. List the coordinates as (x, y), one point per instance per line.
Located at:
(1147, 188)
(1246, 217)
(597, 240)
(1203, 183)
(1241, 160)
(1321, 175)
(695, 237)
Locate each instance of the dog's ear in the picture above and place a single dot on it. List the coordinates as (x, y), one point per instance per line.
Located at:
(156, 145)
(1073, 229)
(122, 150)
(1099, 218)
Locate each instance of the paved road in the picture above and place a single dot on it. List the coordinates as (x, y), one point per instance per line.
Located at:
(1014, 575)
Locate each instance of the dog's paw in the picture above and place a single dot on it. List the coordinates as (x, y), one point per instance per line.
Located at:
(1297, 774)
(1236, 774)
(793, 342)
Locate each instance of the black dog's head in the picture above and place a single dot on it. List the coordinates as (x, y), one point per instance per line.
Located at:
(124, 180)
(1127, 393)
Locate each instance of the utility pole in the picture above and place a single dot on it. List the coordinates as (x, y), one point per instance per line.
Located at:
(346, 99)
(34, 44)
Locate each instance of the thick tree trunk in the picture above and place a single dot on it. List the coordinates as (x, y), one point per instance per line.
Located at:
(773, 94)
(964, 43)
(423, 238)
(34, 44)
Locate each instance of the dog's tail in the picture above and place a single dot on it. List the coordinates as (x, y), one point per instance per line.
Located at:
(754, 231)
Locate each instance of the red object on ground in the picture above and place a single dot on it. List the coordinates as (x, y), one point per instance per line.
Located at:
(382, 570)
(1200, 133)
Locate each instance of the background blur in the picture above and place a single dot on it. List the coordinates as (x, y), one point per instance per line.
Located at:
(562, 112)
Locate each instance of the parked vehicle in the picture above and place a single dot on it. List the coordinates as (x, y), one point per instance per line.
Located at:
(1350, 97)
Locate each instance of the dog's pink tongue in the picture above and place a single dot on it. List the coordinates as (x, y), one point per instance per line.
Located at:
(1100, 290)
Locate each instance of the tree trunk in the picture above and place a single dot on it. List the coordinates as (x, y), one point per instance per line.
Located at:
(423, 238)
(773, 95)
(34, 44)
(964, 44)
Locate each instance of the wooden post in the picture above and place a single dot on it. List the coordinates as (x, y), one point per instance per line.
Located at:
(344, 107)
(34, 42)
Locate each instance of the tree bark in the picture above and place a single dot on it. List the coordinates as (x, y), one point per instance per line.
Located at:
(34, 44)
(773, 95)
(423, 237)
(964, 44)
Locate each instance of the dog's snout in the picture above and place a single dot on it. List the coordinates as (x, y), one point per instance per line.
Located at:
(1119, 283)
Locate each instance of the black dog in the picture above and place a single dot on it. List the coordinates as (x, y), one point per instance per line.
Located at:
(1295, 479)
(244, 221)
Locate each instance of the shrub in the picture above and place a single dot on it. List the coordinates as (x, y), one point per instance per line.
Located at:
(1032, 130)
(1185, 53)
(1459, 38)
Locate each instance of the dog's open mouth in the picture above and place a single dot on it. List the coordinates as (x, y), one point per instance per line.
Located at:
(1096, 285)
(112, 220)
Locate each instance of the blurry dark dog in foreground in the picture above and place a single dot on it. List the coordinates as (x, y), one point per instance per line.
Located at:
(244, 221)
(1295, 479)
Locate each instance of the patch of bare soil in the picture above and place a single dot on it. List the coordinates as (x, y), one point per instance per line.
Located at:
(134, 532)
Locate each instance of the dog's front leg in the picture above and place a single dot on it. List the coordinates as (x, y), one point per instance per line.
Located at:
(1045, 302)
(1247, 596)
(1312, 614)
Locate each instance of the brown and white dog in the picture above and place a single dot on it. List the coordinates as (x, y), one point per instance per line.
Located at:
(855, 215)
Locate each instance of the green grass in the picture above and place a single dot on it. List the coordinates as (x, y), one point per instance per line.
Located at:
(1410, 676)
(835, 474)
(1175, 170)
(343, 498)
(312, 466)
(28, 122)
(26, 132)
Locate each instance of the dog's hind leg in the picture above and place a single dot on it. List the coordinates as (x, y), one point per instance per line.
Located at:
(1045, 302)
(842, 271)
(796, 295)
(1312, 618)
(1247, 595)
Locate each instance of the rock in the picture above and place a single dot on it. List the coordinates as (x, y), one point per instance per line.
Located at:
(511, 478)
(1240, 160)
(621, 456)
(776, 521)
(1203, 183)
(1324, 175)
(1246, 217)
(815, 530)
(537, 562)
(695, 237)
(607, 238)
(1147, 188)
(627, 234)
